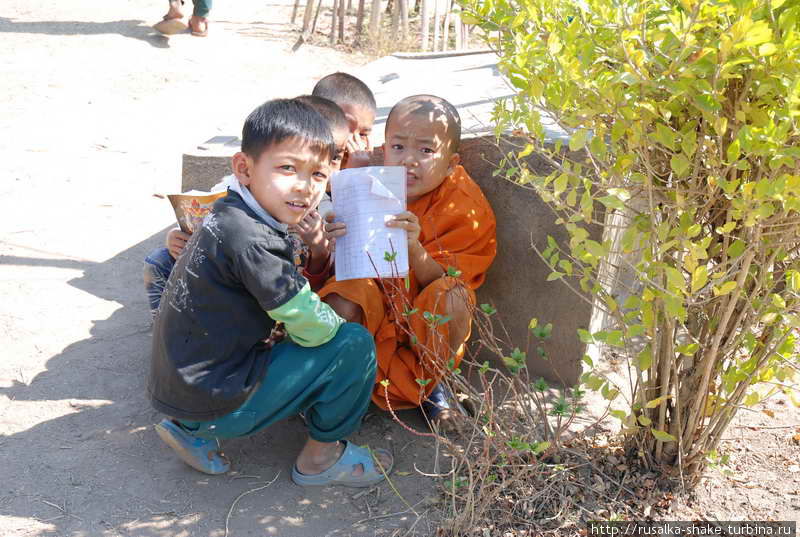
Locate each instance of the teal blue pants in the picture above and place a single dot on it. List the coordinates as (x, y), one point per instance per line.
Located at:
(331, 384)
(201, 8)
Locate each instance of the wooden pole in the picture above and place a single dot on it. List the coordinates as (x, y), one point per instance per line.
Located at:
(360, 21)
(457, 30)
(342, 19)
(307, 15)
(425, 22)
(404, 18)
(395, 21)
(294, 10)
(446, 27)
(374, 19)
(334, 13)
(436, 31)
(316, 17)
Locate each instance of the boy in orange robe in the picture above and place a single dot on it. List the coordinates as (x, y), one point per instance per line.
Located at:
(420, 327)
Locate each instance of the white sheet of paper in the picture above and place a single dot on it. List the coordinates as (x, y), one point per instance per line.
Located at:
(364, 198)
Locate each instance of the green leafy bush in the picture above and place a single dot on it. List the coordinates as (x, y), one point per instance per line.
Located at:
(683, 118)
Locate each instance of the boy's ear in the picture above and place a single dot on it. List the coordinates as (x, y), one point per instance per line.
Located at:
(241, 164)
(455, 160)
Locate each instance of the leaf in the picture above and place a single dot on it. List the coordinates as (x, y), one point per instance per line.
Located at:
(725, 288)
(699, 278)
(733, 151)
(488, 309)
(679, 164)
(657, 401)
(663, 436)
(423, 382)
(767, 49)
(689, 349)
(644, 420)
(385, 383)
(453, 272)
(793, 280)
(674, 277)
(645, 359)
(578, 139)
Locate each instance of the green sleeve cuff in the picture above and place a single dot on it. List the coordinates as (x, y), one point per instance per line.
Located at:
(309, 321)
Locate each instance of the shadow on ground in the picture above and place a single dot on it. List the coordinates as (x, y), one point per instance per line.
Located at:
(135, 29)
(99, 469)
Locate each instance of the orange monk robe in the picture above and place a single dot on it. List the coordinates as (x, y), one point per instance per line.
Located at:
(458, 230)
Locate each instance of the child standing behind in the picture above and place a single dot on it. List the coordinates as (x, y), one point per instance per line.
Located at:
(211, 371)
(451, 229)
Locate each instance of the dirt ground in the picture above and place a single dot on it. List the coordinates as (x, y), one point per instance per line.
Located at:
(95, 110)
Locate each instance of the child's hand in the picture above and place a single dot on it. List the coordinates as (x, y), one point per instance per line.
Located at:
(408, 221)
(310, 229)
(333, 229)
(359, 152)
(176, 242)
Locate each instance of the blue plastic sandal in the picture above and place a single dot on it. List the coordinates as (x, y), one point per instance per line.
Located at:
(202, 454)
(341, 473)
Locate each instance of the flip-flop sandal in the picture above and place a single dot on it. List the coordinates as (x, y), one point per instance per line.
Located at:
(441, 398)
(170, 26)
(341, 473)
(200, 453)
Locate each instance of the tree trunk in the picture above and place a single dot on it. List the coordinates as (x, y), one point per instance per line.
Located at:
(446, 28)
(316, 17)
(342, 19)
(395, 21)
(294, 10)
(307, 15)
(334, 13)
(389, 6)
(436, 30)
(360, 21)
(374, 19)
(425, 23)
(403, 4)
(457, 30)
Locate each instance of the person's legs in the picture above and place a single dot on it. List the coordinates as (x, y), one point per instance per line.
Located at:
(157, 268)
(331, 384)
(198, 24)
(201, 8)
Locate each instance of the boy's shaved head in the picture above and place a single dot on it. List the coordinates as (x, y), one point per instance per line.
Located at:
(344, 89)
(327, 109)
(434, 109)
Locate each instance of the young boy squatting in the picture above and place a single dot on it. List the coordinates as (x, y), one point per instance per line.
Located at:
(212, 372)
(449, 224)
(349, 106)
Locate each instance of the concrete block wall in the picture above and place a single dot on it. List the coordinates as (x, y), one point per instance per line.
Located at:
(516, 283)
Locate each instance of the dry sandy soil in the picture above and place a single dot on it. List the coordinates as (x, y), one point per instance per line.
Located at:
(95, 111)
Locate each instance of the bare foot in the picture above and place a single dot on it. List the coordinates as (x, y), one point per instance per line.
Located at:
(198, 26)
(174, 10)
(449, 421)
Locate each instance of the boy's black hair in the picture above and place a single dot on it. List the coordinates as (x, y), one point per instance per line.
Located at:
(345, 89)
(433, 107)
(327, 109)
(281, 119)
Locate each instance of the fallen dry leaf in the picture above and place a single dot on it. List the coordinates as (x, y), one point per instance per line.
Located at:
(768, 412)
(796, 438)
